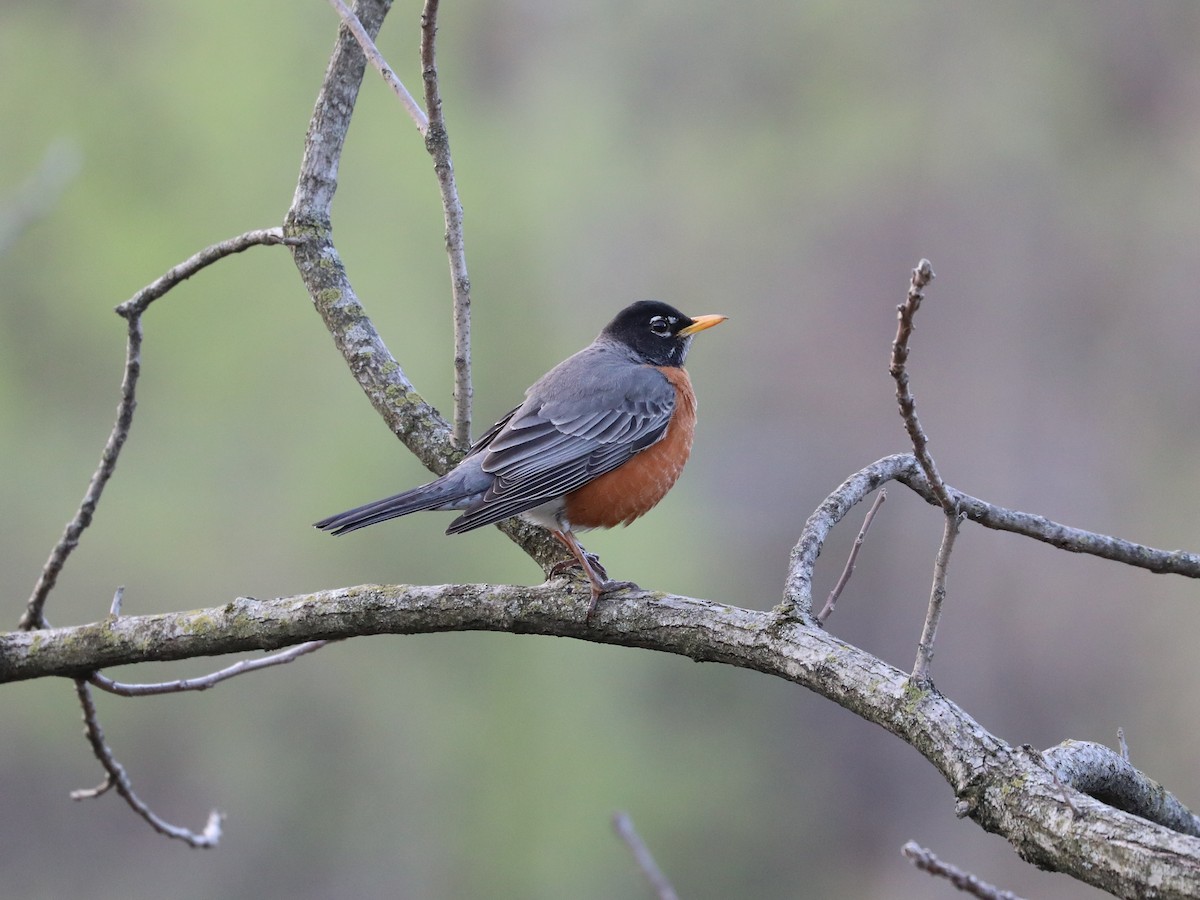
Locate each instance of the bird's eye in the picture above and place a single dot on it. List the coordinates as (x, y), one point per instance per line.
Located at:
(661, 325)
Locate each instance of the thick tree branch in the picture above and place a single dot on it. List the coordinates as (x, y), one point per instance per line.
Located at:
(1107, 775)
(418, 424)
(1009, 791)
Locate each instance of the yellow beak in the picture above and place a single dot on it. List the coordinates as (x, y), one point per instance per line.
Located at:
(699, 323)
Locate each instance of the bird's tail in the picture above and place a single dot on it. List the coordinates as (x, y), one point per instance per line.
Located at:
(445, 493)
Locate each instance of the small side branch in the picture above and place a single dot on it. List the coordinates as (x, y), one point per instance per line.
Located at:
(350, 20)
(797, 591)
(937, 597)
(623, 826)
(204, 682)
(844, 579)
(437, 142)
(132, 310)
(924, 860)
(119, 780)
(922, 275)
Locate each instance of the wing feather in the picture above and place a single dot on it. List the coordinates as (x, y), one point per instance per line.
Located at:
(582, 419)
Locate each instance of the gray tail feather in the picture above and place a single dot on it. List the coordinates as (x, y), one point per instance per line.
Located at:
(428, 496)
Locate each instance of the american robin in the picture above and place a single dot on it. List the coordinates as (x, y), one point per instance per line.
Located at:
(599, 440)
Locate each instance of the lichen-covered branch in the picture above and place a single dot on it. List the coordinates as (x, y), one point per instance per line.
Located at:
(417, 423)
(1012, 791)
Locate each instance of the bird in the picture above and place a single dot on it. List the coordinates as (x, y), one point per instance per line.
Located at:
(597, 442)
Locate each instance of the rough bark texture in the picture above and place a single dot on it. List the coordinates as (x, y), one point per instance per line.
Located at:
(1028, 797)
(1012, 791)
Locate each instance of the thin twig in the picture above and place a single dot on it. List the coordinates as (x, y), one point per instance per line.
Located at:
(418, 425)
(844, 578)
(376, 59)
(1039, 528)
(797, 590)
(924, 860)
(623, 826)
(937, 597)
(1121, 742)
(204, 682)
(139, 302)
(118, 779)
(922, 275)
(131, 310)
(437, 142)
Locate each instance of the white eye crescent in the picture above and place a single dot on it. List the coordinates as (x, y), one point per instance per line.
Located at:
(661, 325)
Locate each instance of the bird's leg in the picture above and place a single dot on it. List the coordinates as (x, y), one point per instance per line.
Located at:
(590, 563)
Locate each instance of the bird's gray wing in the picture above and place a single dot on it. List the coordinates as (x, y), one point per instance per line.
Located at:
(585, 417)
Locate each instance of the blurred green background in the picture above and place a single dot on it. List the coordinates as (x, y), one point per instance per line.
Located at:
(784, 165)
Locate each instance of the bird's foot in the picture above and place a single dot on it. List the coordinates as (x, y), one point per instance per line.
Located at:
(607, 587)
(593, 563)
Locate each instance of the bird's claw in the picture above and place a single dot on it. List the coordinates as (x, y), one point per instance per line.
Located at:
(607, 587)
(593, 561)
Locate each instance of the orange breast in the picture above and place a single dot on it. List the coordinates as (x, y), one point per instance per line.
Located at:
(633, 489)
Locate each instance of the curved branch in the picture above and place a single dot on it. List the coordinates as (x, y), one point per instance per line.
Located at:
(118, 779)
(418, 424)
(132, 310)
(1064, 537)
(1010, 791)
(1099, 772)
(904, 468)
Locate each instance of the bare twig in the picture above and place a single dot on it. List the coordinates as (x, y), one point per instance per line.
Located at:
(114, 608)
(437, 142)
(924, 860)
(376, 59)
(204, 682)
(131, 310)
(922, 275)
(1124, 747)
(119, 779)
(904, 468)
(842, 581)
(797, 591)
(937, 597)
(1039, 528)
(623, 826)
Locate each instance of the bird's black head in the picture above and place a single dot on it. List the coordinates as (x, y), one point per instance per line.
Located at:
(657, 332)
